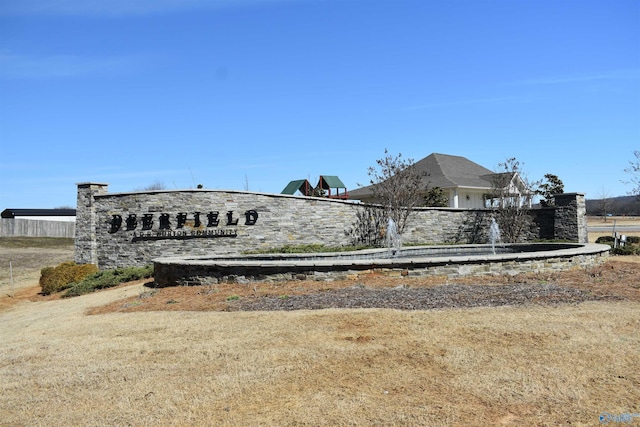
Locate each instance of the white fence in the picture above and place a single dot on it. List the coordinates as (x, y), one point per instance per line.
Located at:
(14, 227)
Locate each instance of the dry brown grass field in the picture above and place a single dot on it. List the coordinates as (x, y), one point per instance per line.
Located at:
(600, 221)
(534, 365)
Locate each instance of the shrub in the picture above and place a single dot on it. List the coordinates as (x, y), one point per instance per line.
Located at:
(605, 240)
(631, 247)
(56, 279)
(108, 279)
(626, 250)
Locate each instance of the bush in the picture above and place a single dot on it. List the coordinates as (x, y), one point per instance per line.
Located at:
(631, 247)
(626, 250)
(56, 279)
(605, 240)
(108, 279)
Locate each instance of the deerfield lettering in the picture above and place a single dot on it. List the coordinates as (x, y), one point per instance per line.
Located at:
(181, 225)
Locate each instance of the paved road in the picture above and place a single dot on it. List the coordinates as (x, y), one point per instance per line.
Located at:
(609, 228)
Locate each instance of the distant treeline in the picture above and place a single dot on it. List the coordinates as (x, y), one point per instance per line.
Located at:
(617, 206)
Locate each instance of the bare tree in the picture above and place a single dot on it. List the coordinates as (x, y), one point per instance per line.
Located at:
(157, 185)
(604, 203)
(634, 170)
(397, 185)
(369, 226)
(512, 198)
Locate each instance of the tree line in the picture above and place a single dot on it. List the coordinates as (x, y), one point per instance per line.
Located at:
(615, 206)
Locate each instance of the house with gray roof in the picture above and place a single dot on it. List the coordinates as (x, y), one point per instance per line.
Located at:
(466, 184)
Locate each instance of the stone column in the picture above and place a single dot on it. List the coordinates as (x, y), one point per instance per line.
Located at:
(85, 250)
(570, 217)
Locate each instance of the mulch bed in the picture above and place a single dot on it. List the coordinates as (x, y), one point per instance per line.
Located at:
(611, 281)
(437, 297)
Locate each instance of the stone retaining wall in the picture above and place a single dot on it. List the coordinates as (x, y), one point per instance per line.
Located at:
(130, 229)
(441, 261)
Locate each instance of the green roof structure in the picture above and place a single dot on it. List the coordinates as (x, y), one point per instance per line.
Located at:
(326, 183)
(301, 185)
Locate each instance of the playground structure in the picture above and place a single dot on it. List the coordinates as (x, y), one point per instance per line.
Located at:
(323, 189)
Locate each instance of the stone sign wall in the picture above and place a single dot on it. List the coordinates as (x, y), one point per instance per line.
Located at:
(130, 229)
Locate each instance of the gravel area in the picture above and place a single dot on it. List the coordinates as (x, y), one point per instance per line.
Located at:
(437, 297)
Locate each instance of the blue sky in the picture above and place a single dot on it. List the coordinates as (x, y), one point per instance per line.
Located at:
(250, 94)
